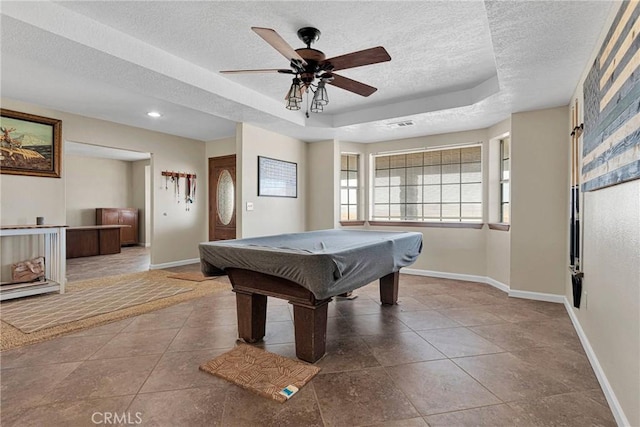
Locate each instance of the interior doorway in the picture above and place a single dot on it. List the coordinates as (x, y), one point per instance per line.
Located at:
(101, 180)
(222, 197)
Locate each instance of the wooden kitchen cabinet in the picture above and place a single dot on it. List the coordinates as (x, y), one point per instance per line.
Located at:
(120, 216)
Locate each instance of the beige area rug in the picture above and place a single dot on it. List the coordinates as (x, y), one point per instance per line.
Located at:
(261, 372)
(81, 306)
(193, 276)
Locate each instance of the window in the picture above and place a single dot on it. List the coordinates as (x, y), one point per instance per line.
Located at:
(437, 185)
(349, 187)
(505, 169)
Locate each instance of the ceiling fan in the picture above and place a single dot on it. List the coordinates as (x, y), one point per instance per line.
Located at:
(308, 64)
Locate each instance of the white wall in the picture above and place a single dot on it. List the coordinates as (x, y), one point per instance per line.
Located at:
(271, 215)
(96, 183)
(539, 200)
(175, 232)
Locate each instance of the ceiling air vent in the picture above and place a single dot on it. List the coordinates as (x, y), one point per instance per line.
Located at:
(401, 124)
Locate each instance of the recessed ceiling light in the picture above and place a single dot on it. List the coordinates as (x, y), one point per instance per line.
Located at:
(154, 114)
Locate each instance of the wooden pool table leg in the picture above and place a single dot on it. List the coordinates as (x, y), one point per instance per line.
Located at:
(310, 323)
(389, 288)
(252, 315)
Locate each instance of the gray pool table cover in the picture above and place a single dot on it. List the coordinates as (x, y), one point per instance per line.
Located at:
(326, 262)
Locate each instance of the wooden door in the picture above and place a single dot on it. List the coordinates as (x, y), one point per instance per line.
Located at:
(222, 197)
(129, 235)
(107, 216)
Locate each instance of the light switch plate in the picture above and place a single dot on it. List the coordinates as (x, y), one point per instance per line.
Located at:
(249, 206)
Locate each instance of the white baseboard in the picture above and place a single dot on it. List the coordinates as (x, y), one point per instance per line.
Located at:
(456, 276)
(538, 296)
(496, 284)
(614, 404)
(174, 264)
(443, 275)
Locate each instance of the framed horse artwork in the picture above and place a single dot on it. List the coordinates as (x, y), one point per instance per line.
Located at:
(30, 144)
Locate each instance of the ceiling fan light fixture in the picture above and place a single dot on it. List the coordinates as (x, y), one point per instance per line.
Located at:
(316, 107)
(321, 97)
(292, 104)
(295, 91)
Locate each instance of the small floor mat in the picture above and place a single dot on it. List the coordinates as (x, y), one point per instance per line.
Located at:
(261, 372)
(193, 276)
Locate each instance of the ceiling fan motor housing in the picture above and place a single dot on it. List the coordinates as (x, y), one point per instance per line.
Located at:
(309, 35)
(316, 64)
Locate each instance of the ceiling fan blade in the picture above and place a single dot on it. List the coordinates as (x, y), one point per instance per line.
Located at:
(360, 58)
(279, 44)
(265, 70)
(352, 85)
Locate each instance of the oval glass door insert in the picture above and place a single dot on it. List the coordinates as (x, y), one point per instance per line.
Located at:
(226, 197)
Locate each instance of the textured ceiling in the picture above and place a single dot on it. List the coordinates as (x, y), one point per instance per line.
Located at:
(455, 65)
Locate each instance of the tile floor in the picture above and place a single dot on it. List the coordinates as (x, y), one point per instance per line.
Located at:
(450, 354)
(130, 260)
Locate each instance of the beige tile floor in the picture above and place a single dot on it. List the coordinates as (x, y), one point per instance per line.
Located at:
(450, 354)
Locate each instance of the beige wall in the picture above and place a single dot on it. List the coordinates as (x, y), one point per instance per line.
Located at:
(271, 215)
(498, 256)
(26, 197)
(539, 200)
(18, 248)
(220, 147)
(175, 232)
(610, 309)
(322, 171)
(498, 242)
(96, 183)
(448, 250)
(609, 314)
(140, 191)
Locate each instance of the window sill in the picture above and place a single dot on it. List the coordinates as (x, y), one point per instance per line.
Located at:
(500, 226)
(476, 225)
(351, 223)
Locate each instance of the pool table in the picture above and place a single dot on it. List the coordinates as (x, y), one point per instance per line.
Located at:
(307, 269)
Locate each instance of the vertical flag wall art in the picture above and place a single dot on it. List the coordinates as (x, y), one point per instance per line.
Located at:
(611, 138)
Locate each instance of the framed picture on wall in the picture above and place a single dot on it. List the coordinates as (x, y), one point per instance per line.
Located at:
(29, 144)
(277, 178)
